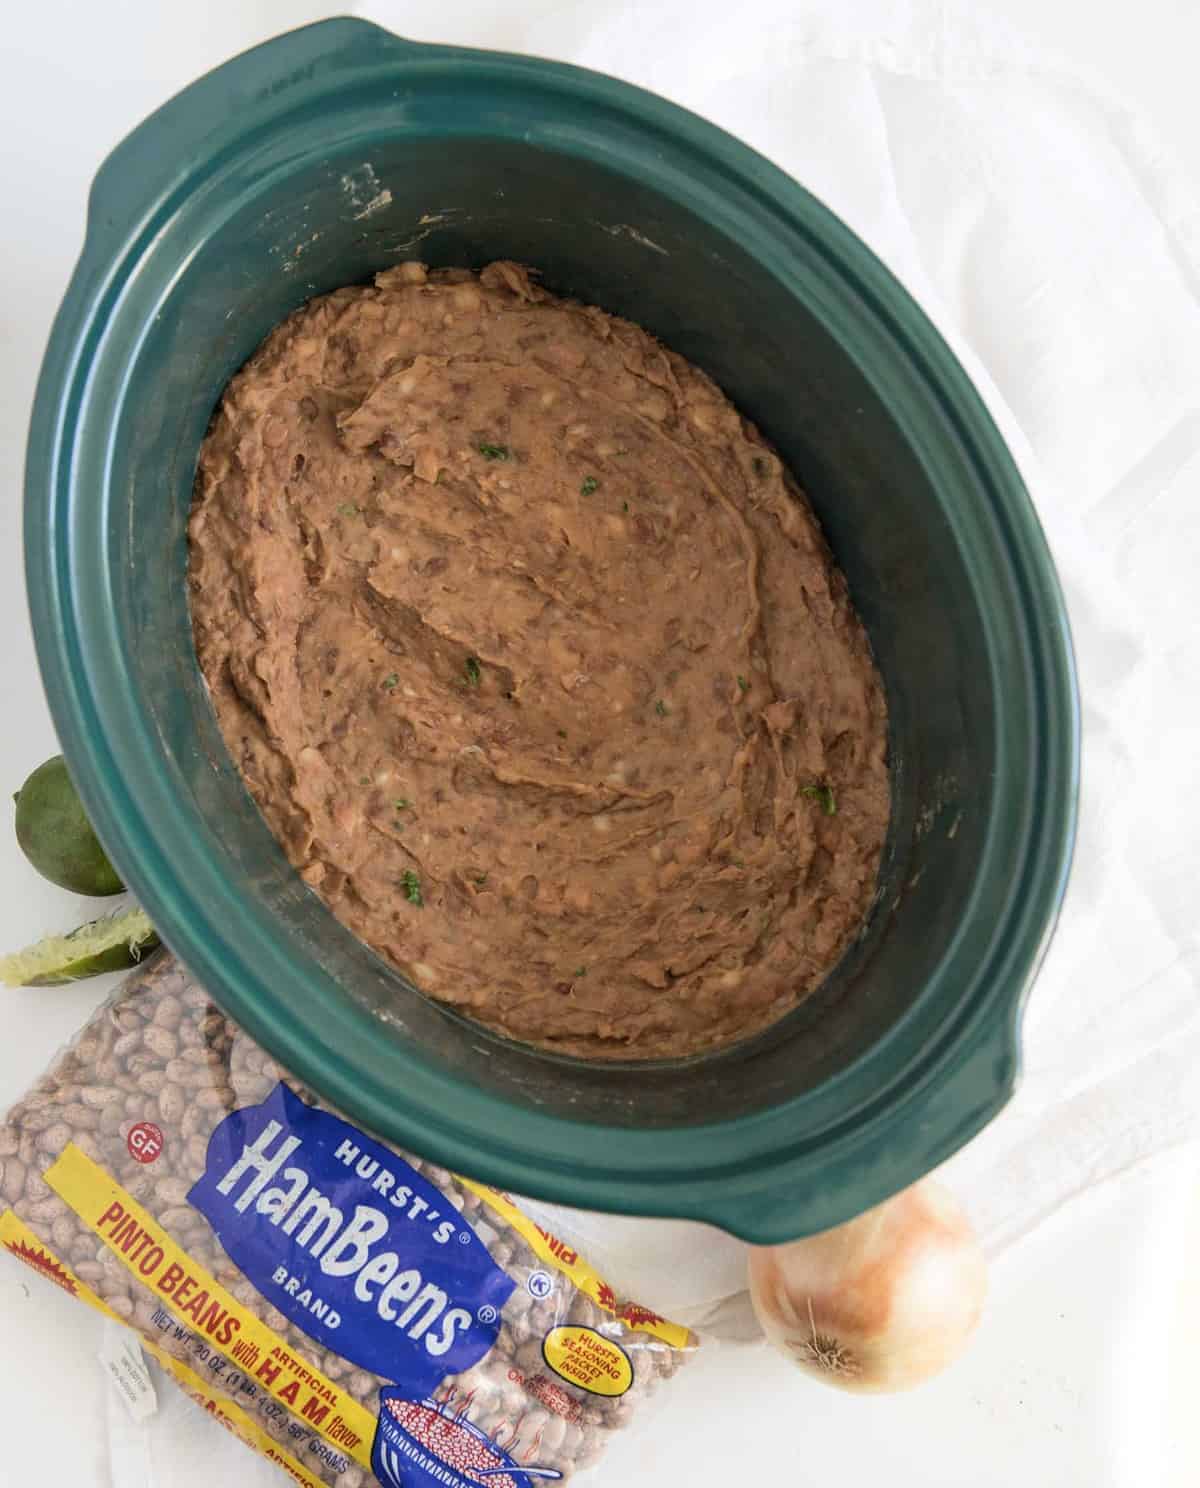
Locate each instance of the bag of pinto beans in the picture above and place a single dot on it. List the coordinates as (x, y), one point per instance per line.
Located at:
(351, 1312)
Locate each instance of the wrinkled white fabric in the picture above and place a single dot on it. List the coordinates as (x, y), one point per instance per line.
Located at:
(1041, 225)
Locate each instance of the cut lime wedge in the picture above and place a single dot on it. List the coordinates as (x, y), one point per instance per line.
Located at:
(108, 944)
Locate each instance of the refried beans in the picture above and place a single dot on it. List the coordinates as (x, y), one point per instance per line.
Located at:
(533, 657)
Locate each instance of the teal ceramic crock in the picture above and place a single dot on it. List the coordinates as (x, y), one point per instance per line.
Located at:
(332, 152)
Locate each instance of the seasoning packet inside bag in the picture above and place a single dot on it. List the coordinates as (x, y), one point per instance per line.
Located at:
(351, 1312)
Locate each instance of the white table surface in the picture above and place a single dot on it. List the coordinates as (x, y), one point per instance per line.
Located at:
(1082, 1375)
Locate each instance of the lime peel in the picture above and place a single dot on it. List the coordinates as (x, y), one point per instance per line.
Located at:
(110, 943)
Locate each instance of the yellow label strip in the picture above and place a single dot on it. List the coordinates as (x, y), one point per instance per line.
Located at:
(557, 1253)
(26, 1246)
(203, 1305)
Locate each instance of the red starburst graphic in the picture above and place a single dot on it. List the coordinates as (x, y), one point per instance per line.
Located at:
(638, 1316)
(43, 1261)
(631, 1313)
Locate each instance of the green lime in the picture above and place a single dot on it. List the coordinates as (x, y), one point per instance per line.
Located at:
(108, 944)
(56, 836)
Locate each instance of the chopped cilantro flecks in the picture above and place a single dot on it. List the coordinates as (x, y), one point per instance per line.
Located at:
(624, 505)
(479, 879)
(743, 684)
(348, 509)
(590, 484)
(580, 971)
(661, 708)
(493, 451)
(364, 780)
(401, 803)
(391, 680)
(411, 884)
(562, 733)
(472, 671)
(823, 794)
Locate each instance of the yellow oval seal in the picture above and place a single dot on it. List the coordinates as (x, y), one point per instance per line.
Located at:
(586, 1358)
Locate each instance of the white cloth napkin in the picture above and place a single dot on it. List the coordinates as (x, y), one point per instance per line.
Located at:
(1040, 224)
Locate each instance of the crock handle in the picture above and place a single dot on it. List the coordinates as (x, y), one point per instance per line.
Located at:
(936, 1122)
(190, 130)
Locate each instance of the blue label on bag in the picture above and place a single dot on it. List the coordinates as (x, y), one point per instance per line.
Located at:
(350, 1243)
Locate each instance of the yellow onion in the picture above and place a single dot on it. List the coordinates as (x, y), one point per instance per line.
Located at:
(880, 1303)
